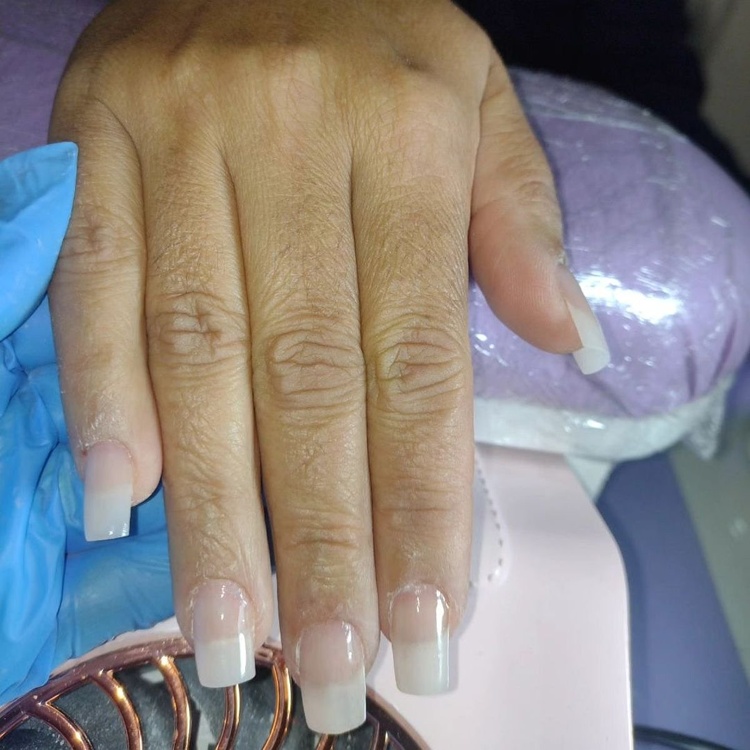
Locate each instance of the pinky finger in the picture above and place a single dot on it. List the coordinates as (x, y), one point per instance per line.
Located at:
(515, 237)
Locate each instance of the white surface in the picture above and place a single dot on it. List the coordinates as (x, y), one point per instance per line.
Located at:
(594, 352)
(529, 426)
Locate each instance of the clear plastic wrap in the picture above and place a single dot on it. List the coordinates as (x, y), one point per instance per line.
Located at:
(659, 238)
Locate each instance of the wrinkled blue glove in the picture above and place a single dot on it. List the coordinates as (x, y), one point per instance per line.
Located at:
(59, 595)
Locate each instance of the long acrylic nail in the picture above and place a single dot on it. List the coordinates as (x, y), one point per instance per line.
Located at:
(420, 640)
(223, 634)
(332, 677)
(594, 352)
(107, 492)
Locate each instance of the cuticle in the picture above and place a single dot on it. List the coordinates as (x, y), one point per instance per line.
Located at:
(245, 597)
(416, 588)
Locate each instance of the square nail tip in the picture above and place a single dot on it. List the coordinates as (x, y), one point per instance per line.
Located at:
(337, 708)
(591, 360)
(421, 669)
(106, 513)
(96, 533)
(421, 690)
(224, 663)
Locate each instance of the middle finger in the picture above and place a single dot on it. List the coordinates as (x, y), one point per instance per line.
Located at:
(309, 393)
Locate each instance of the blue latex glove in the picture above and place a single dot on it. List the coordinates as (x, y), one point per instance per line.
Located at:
(59, 595)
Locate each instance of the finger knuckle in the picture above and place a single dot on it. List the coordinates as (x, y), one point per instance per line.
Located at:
(202, 515)
(98, 241)
(427, 513)
(196, 328)
(108, 65)
(181, 76)
(326, 542)
(294, 61)
(417, 367)
(309, 367)
(294, 89)
(536, 191)
(426, 104)
(423, 128)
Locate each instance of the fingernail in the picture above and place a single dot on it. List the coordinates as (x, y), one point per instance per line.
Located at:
(223, 634)
(332, 678)
(594, 352)
(420, 640)
(107, 492)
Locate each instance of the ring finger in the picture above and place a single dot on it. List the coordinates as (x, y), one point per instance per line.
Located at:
(198, 335)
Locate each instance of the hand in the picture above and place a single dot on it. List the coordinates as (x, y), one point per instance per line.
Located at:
(264, 281)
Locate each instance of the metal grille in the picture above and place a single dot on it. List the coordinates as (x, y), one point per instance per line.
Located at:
(136, 697)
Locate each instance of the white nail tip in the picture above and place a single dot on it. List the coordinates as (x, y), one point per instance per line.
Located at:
(421, 668)
(594, 355)
(107, 513)
(225, 662)
(337, 707)
(591, 360)
(108, 492)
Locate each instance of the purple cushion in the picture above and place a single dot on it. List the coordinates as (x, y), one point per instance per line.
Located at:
(657, 234)
(659, 238)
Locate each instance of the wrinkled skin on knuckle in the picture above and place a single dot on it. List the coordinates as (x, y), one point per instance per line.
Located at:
(418, 368)
(100, 242)
(428, 487)
(328, 543)
(536, 192)
(200, 527)
(309, 368)
(422, 526)
(196, 329)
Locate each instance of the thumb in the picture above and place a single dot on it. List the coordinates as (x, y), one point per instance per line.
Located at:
(515, 237)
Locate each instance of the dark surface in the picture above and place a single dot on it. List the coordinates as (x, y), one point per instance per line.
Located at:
(636, 48)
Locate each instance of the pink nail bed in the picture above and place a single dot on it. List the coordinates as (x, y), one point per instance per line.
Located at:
(332, 677)
(420, 640)
(223, 634)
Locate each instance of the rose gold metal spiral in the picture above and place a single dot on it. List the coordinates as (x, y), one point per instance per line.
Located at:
(389, 730)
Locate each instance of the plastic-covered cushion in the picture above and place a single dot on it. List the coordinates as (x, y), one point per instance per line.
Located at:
(59, 595)
(659, 238)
